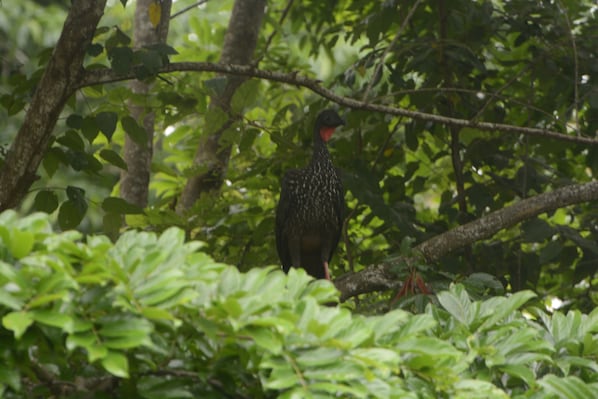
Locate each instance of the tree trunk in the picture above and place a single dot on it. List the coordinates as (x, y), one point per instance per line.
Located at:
(59, 81)
(239, 45)
(134, 182)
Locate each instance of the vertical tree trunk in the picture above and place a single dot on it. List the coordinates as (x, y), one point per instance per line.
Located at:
(151, 27)
(57, 84)
(239, 45)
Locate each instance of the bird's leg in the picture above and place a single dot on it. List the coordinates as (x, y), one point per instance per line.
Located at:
(326, 271)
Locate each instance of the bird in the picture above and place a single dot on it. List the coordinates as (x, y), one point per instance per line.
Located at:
(311, 205)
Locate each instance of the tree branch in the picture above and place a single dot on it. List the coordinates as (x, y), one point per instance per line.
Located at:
(239, 44)
(380, 277)
(59, 81)
(108, 76)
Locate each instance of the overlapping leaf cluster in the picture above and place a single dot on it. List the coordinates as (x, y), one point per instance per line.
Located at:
(152, 317)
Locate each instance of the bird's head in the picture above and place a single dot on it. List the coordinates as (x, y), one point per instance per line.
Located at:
(326, 122)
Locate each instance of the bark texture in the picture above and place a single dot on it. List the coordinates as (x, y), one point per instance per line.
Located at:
(240, 42)
(380, 277)
(59, 81)
(134, 182)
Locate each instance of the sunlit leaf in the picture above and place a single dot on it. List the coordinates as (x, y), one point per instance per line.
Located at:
(116, 364)
(17, 322)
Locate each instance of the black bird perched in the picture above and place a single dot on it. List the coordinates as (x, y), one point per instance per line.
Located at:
(309, 213)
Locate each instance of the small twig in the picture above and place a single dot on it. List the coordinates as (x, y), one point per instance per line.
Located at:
(184, 10)
(575, 67)
(297, 370)
(271, 37)
(496, 93)
(475, 93)
(387, 50)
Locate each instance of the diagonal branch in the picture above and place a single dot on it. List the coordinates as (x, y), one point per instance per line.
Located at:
(58, 82)
(107, 76)
(380, 277)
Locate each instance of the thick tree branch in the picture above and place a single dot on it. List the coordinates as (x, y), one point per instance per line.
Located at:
(239, 44)
(380, 277)
(59, 81)
(107, 76)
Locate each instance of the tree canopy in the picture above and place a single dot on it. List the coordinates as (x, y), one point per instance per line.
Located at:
(469, 160)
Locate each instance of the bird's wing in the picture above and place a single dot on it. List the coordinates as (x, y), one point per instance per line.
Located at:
(285, 205)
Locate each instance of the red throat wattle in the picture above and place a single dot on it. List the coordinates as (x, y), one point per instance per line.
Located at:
(326, 133)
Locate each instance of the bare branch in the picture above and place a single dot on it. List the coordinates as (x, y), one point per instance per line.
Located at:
(380, 277)
(107, 76)
(184, 10)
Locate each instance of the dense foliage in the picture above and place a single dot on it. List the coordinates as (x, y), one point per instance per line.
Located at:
(150, 316)
(157, 302)
(524, 63)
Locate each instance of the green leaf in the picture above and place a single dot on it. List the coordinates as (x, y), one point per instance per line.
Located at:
(106, 122)
(8, 300)
(247, 139)
(96, 351)
(216, 85)
(72, 140)
(116, 364)
(52, 160)
(76, 194)
(457, 303)
(17, 322)
(89, 128)
(45, 201)
(84, 340)
(265, 338)
(151, 387)
(54, 319)
(128, 342)
(506, 307)
(21, 243)
(245, 95)
(74, 121)
(113, 158)
(137, 133)
(151, 61)
(536, 230)
(120, 207)
(319, 357)
(570, 387)
(10, 377)
(71, 214)
(125, 326)
(282, 378)
(112, 223)
(95, 49)
(121, 59)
